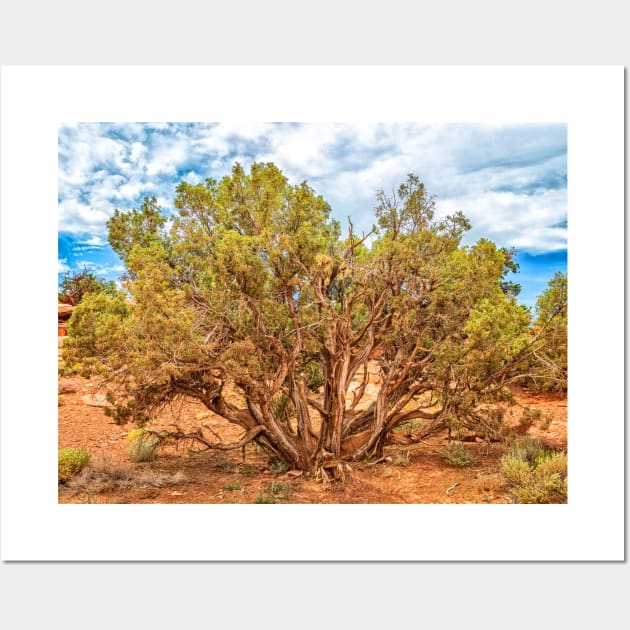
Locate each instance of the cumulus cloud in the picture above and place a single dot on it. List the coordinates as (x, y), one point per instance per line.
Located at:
(94, 241)
(510, 180)
(533, 223)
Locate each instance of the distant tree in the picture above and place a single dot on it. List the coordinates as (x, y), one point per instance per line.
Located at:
(76, 285)
(252, 296)
(550, 367)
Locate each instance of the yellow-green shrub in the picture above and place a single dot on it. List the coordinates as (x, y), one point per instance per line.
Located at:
(71, 462)
(143, 447)
(543, 480)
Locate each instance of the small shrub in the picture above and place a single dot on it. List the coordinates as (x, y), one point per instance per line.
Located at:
(276, 491)
(551, 463)
(539, 479)
(235, 485)
(542, 489)
(401, 459)
(71, 462)
(60, 401)
(278, 467)
(265, 498)
(144, 448)
(281, 490)
(528, 449)
(457, 455)
(516, 470)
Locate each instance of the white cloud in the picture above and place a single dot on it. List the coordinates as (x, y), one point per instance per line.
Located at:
(514, 220)
(62, 265)
(166, 156)
(78, 218)
(509, 180)
(94, 241)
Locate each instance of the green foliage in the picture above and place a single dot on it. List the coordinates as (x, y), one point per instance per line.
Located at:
(235, 485)
(71, 462)
(265, 497)
(314, 376)
(138, 228)
(535, 417)
(550, 367)
(75, 286)
(508, 286)
(401, 459)
(528, 449)
(252, 290)
(516, 469)
(551, 462)
(278, 467)
(96, 333)
(277, 491)
(536, 475)
(457, 455)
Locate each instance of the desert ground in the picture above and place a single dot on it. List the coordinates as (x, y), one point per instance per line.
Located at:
(183, 473)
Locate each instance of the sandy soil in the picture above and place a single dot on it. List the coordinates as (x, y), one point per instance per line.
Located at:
(181, 474)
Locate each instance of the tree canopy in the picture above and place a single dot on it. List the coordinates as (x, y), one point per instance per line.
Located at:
(253, 298)
(550, 364)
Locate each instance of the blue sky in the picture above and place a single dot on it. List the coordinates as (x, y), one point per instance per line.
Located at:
(509, 180)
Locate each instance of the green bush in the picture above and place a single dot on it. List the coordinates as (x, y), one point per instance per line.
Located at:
(278, 467)
(542, 489)
(457, 455)
(516, 470)
(539, 479)
(235, 485)
(552, 462)
(144, 448)
(528, 449)
(71, 462)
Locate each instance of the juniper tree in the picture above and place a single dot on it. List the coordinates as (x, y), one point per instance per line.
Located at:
(75, 285)
(550, 365)
(253, 289)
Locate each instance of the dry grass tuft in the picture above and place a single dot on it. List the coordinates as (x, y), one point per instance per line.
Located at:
(103, 476)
